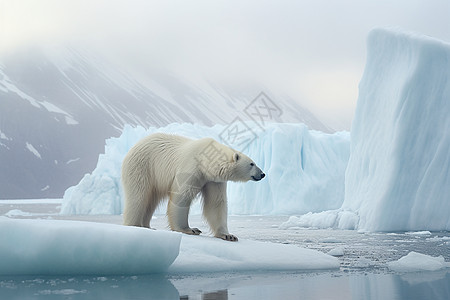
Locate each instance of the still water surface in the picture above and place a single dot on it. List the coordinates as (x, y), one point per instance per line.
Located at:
(363, 273)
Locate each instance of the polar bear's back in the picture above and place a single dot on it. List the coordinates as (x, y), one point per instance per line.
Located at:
(154, 161)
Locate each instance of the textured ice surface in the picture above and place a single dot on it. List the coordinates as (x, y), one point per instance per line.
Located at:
(70, 247)
(305, 171)
(57, 247)
(398, 175)
(206, 254)
(343, 219)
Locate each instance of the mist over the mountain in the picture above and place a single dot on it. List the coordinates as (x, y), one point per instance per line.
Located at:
(59, 104)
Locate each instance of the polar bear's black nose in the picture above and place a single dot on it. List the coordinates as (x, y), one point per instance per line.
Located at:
(263, 175)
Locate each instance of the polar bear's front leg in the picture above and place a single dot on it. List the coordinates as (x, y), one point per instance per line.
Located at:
(215, 209)
(178, 210)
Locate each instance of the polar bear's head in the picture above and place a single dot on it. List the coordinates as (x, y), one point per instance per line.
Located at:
(244, 169)
(220, 163)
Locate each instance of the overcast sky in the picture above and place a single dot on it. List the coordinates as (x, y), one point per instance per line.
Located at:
(312, 50)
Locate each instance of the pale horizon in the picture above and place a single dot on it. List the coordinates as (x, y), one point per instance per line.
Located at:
(312, 51)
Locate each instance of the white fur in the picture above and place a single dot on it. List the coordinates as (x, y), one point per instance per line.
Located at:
(168, 166)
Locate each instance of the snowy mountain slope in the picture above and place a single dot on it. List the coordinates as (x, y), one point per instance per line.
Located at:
(59, 104)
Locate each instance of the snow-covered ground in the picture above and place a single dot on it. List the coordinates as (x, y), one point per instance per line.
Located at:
(268, 262)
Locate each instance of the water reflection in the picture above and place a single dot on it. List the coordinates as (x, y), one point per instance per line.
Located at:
(85, 287)
(425, 285)
(335, 285)
(218, 295)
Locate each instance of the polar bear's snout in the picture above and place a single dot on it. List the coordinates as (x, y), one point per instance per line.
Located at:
(258, 178)
(257, 173)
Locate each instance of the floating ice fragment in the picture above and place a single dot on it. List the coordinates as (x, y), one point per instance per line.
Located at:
(416, 262)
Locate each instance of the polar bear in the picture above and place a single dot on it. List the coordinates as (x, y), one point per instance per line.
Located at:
(170, 166)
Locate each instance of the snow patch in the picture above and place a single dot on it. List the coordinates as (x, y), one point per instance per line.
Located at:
(6, 85)
(33, 150)
(425, 232)
(17, 213)
(70, 120)
(72, 160)
(50, 107)
(4, 136)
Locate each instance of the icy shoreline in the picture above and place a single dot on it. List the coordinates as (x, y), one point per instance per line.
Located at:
(364, 262)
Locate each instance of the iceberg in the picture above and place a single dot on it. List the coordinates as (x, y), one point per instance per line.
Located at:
(305, 171)
(342, 219)
(398, 174)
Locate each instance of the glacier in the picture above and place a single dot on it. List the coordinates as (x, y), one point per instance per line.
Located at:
(398, 174)
(305, 170)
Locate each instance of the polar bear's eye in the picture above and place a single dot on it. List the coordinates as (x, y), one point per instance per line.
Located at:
(252, 164)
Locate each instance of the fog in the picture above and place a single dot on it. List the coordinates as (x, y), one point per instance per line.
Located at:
(310, 50)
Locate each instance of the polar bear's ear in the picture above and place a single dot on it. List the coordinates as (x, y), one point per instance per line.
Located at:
(236, 157)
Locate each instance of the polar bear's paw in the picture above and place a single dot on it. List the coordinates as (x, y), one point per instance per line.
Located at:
(228, 237)
(192, 231)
